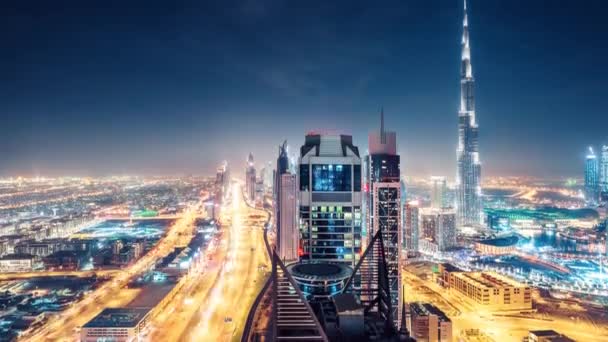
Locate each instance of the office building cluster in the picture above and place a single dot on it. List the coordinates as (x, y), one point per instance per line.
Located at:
(596, 176)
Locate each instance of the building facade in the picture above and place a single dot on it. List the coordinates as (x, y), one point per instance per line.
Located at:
(592, 177)
(489, 290)
(428, 323)
(282, 168)
(250, 178)
(604, 174)
(468, 176)
(439, 192)
(382, 205)
(329, 185)
(411, 226)
(288, 236)
(439, 227)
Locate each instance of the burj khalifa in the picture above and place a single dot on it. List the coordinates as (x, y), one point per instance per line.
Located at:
(468, 178)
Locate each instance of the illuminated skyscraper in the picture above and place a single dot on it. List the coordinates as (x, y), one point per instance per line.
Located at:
(439, 192)
(288, 232)
(591, 177)
(282, 169)
(412, 227)
(382, 203)
(329, 179)
(468, 176)
(250, 178)
(604, 173)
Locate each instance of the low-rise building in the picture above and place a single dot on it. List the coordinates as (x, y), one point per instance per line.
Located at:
(490, 291)
(16, 263)
(116, 324)
(428, 323)
(497, 246)
(547, 336)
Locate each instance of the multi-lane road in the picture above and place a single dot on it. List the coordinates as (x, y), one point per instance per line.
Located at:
(226, 305)
(65, 325)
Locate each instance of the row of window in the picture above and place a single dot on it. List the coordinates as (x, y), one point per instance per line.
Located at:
(330, 177)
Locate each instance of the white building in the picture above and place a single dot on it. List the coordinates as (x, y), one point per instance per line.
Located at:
(439, 189)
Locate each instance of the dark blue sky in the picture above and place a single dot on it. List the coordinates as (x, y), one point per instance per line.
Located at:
(162, 87)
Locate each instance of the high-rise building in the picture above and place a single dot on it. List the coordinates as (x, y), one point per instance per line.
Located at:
(439, 192)
(288, 233)
(604, 174)
(412, 227)
(382, 204)
(428, 323)
(282, 168)
(250, 178)
(329, 184)
(222, 181)
(268, 177)
(591, 177)
(468, 177)
(438, 227)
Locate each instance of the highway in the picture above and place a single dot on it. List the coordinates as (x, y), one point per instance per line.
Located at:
(226, 304)
(112, 293)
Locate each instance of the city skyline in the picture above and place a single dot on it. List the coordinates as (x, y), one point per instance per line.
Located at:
(143, 95)
(145, 194)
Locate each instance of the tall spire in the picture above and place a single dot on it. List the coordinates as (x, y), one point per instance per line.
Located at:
(466, 69)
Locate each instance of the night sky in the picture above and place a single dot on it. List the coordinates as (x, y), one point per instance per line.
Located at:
(177, 87)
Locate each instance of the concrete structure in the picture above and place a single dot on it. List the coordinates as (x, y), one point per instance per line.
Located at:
(16, 263)
(382, 205)
(428, 323)
(591, 177)
(250, 179)
(116, 324)
(439, 192)
(468, 177)
(490, 291)
(288, 234)
(329, 181)
(411, 226)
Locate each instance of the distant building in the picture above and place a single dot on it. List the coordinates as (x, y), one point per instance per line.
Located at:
(489, 290)
(428, 323)
(412, 226)
(16, 263)
(591, 177)
(547, 336)
(282, 168)
(604, 174)
(116, 324)
(250, 178)
(439, 227)
(439, 192)
(329, 181)
(288, 237)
